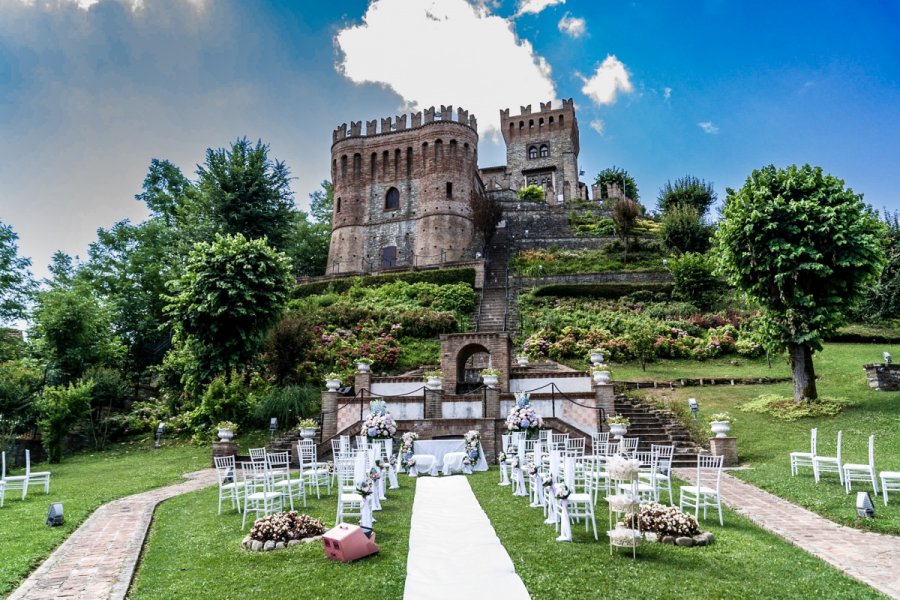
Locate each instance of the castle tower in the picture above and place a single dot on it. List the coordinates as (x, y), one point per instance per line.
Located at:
(542, 149)
(401, 193)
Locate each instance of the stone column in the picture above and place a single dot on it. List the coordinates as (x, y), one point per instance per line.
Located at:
(492, 408)
(220, 449)
(605, 396)
(725, 446)
(433, 399)
(329, 414)
(362, 381)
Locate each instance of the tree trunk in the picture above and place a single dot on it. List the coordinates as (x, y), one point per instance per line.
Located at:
(802, 371)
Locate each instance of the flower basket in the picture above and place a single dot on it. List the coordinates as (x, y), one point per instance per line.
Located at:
(623, 537)
(601, 377)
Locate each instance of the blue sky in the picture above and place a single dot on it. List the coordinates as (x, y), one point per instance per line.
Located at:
(91, 91)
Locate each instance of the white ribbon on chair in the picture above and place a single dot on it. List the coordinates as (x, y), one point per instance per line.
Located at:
(504, 473)
(376, 503)
(392, 476)
(381, 485)
(552, 516)
(412, 471)
(519, 473)
(365, 518)
(565, 526)
(537, 492)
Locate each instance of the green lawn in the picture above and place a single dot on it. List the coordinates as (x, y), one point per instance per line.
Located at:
(193, 553)
(744, 561)
(82, 483)
(727, 367)
(764, 442)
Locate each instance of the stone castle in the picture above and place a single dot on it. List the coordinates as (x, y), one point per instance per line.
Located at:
(402, 191)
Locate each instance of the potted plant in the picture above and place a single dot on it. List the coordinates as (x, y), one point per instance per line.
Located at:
(522, 360)
(226, 430)
(332, 381)
(490, 377)
(720, 424)
(601, 374)
(618, 425)
(596, 356)
(364, 364)
(308, 428)
(434, 380)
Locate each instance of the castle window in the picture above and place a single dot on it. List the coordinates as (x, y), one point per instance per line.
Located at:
(384, 164)
(541, 122)
(388, 257)
(338, 205)
(530, 123)
(561, 120)
(550, 120)
(373, 166)
(343, 167)
(397, 163)
(409, 160)
(357, 166)
(545, 151)
(521, 124)
(438, 150)
(424, 154)
(532, 152)
(392, 199)
(449, 189)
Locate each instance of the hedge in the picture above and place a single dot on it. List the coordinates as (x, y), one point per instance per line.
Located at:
(438, 276)
(600, 290)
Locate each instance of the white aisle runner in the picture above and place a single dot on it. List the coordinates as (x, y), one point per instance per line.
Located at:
(453, 550)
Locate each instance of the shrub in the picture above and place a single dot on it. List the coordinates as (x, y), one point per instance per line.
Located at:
(60, 408)
(289, 403)
(683, 230)
(287, 345)
(531, 193)
(787, 409)
(335, 286)
(694, 279)
(224, 401)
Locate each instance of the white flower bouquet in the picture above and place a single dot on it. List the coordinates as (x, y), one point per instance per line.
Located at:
(623, 469)
(562, 491)
(624, 537)
(623, 503)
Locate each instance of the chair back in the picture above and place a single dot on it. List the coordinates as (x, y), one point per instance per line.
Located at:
(538, 451)
(258, 455)
(337, 447)
(362, 442)
(559, 440)
(255, 477)
(505, 442)
(813, 434)
(664, 456)
(709, 470)
(279, 463)
(554, 464)
(225, 469)
(871, 452)
(306, 453)
(344, 441)
(575, 446)
(629, 445)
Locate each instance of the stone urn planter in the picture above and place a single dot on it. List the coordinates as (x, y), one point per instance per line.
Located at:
(490, 380)
(363, 367)
(596, 358)
(332, 385)
(522, 361)
(601, 377)
(434, 383)
(720, 428)
(307, 433)
(617, 430)
(225, 435)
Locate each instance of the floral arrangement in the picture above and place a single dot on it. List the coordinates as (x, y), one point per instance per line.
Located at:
(618, 420)
(522, 417)
(623, 469)
(364, 487)
(623, 503)
(308, 424)
(472, 439)
(286, 526)
(227, 425)
(546, 479)
(392, 461)
(531, 469)
(515, 462)
(663, 520)
(406, 449)
(375, 473)
(333, 376)
(330, 466)
(365, 360)
(722, 416)
(562, 491)
(490, 372)
(501, 457)
(624, 538)
(434, 373)
(379, 424)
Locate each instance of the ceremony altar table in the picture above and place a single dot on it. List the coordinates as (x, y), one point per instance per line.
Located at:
(439, 448)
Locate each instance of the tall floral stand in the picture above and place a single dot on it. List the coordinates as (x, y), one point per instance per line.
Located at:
(622, 504)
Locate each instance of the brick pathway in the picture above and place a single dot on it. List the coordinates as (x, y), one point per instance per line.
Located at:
(869, 557)
(98, 560)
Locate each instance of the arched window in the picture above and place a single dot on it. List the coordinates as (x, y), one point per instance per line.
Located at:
(392, 199)
(541, 122)
(409, 161)
(530, 123)
(545, 151)
(343, 167)
(532, 152)
(388, 257)
(550, 120)
(372, 167)
(338, 205)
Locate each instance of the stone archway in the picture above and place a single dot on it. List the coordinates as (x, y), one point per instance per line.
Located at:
(458, 348)
(470, 360)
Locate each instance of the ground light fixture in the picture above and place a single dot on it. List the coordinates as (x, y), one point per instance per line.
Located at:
(55, 514)
(160, 430)
(273, 426)
(864, 506)
(695, 408)
(887, 357)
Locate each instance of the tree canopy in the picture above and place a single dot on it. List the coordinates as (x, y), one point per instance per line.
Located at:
(16, 282)
(687, 191)
(616, 175)
(803, 246)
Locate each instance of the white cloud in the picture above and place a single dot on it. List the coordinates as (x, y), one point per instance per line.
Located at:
(598, 126)
(535, 6)
(416, 51)
(572, 26)
(610, 78)
(667, 93)
(708, 127)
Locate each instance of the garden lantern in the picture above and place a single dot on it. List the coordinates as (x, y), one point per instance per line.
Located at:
(55, 514)
(273, 426)
(160, 430)
(864, 506)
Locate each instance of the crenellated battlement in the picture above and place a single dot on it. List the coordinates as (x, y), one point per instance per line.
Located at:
(399, 123)
(546, 107)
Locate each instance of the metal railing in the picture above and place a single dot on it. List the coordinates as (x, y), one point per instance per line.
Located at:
(555, 391)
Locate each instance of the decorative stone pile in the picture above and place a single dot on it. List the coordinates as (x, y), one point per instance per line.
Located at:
(282, 530)
(668, 525)
(701, 539)
(252, 545)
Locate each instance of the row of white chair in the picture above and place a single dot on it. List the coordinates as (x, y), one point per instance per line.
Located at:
(847, 472)
(21, 482)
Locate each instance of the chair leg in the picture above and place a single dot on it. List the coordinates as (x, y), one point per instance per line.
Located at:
(815, 466)
(719, 504)
(874, 483)
(220, 501)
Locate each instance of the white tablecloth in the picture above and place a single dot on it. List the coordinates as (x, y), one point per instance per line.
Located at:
(453, 463)
(438, 448)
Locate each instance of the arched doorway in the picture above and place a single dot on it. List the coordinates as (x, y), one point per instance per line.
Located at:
(470, 360)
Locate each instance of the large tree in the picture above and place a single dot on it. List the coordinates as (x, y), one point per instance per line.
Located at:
(618, 177)
(246, 192)
(16, 283)
(230, 293)
(687, 191)
(803, 246)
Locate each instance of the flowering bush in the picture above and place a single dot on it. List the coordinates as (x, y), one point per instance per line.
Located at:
(286, 526)
(522, 417)
(718, 417)
(663, 520)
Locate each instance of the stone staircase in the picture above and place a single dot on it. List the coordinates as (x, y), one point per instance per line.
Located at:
(655, 426)
(493, 314)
